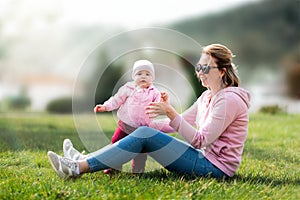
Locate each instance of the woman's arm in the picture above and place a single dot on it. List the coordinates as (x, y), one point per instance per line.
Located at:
(221, 115)
(215, 123)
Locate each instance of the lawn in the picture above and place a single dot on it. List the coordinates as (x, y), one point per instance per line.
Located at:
(270, 168)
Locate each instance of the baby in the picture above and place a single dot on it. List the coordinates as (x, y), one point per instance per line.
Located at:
(130, 101)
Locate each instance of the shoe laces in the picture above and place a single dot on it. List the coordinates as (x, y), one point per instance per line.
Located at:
(71, 164)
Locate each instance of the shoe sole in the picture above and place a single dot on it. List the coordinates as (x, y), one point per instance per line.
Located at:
(65, 144)
(55, 164)
(71, 152)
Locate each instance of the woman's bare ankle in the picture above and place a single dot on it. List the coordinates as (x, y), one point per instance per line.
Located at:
(83, 166)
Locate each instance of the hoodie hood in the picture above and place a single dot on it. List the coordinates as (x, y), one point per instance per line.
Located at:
(242, 93)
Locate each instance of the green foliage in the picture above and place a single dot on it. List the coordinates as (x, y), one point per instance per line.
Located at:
(262, 32)
(107, 82)
(98, 83)
(271, 109)
(197, 86)
(20, 102)
(270, 167)
(61, 105)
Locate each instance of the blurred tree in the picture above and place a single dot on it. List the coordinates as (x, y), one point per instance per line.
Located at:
(18, 102)
(187, 66)
(261, 32)
(105, 74)
(107, 82)
(292, 66)
(293, 81)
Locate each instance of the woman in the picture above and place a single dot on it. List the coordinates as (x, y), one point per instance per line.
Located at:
(214, 147)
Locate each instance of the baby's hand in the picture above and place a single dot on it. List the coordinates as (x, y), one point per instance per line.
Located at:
(99, 108)
(164, 97)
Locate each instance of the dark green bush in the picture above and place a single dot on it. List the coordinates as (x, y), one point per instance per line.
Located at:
(61, 105)
(271, 109)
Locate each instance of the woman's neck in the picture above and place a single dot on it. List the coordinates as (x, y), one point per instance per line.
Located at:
(215, 90)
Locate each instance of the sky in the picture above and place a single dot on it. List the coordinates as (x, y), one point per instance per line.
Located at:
(129, 13)
(133, 13)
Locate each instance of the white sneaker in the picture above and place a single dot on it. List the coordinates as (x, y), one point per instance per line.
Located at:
(70, 151)
(64, 167)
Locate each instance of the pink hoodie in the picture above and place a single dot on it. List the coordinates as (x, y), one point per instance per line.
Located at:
(221, 126)
(130, 100)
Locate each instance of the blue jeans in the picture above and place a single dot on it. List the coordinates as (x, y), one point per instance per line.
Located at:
(173, 154)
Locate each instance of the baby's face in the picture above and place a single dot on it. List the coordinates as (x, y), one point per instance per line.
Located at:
(143, 79)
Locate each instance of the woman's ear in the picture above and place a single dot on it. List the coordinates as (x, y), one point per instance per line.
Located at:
(222, 72)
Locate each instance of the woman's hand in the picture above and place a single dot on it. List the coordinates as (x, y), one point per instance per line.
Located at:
(163, 107)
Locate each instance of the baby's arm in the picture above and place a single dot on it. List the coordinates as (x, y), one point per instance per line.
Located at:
(115, 101)
(99, 108)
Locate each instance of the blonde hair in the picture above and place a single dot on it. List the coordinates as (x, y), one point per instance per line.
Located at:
(223, 58)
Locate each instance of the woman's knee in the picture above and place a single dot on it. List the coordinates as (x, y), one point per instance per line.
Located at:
(144, 132)
(142, 128)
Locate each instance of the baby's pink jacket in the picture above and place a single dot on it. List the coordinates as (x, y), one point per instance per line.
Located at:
(221, 126)
(131, 101)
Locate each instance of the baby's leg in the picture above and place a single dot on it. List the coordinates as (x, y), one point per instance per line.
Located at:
(139, 163)
(118, 135)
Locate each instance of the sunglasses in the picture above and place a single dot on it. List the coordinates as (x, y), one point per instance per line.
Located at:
(205, 68)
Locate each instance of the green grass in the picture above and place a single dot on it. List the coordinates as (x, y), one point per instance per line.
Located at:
(270, 168)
